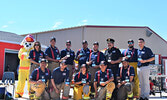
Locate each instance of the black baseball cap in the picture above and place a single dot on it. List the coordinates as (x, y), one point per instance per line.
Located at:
(103, 63)
(42, 60)
(83, 65)
(124, 59)
(130, 40)
(63, 62)
(84, 41)
(95, 43)
(68, 41)
(110, 40)
(53, 38)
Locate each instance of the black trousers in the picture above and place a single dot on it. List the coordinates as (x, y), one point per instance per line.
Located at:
(114, 69)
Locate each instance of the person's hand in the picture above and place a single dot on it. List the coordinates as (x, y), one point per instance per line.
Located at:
(39, 82)
(126, 57)
(112, 62)
(96, 66)
(96, 94)
(79, 56)
(142, 61)
(119, 84)
(88, 62)
(123, 82)
(57, 91)
(103, 84)
(55, 60)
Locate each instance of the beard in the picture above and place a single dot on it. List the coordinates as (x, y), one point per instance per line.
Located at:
(130, 46)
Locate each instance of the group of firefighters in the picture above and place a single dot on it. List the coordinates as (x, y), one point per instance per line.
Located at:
(98, 75)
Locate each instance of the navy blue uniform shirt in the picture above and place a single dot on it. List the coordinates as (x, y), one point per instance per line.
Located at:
(70, 59)
(60, 76)
(144, 54)
(35, 55)
(125, 73)
(96, 58)
(112, 54)
(131, 54)
(44, 76)
(84, 55)
(103, 76)
(54, 55)
(84, 78)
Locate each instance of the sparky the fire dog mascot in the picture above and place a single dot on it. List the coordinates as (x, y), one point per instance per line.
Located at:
(27, 44)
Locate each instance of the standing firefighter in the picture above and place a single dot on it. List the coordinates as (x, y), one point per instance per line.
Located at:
(81, 82)
(24, 65)
(125, 78)
(145, 56)
(68, 55)
(113, 58)
(52, 55)
(83, 54)
(35, 55)
(131, 56)
(93, 61)
(39, 80)
(103, 83)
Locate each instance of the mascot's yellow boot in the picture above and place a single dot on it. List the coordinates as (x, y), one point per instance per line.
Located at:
(24, 65)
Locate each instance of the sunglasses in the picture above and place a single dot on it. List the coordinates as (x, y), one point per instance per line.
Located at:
(68, 44)
(37, 45)
(130, 42)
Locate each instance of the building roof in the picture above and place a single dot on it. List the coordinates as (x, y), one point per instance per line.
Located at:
(10, 37)
(97, 26)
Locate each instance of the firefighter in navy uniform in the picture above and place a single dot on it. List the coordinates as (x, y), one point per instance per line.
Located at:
(93, 62)
(131, 56)
(68, 55)
(35, 56)
(52, 55)
(81, 84)
(60, 81)
(113, 57)
(83, 54)
(125, 78)
(39, 80)
(103, 83)
(145, 56)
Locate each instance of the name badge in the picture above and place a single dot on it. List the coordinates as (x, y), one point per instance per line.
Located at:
(139, 59)
(64, 74)
(68, 55)
(93, 65)
(84, 81)
(109, 60)
(58, 57)
(46, 74)
(67, 83)
(128, 56)
(101, 81)
(80, 54)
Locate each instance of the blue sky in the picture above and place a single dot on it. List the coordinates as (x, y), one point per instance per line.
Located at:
(28, 16)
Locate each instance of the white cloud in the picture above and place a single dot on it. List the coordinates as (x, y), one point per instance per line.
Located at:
(84, 21)
(4, 26)
(57, 24)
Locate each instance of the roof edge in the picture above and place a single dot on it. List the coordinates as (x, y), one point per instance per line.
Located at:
(95, 26)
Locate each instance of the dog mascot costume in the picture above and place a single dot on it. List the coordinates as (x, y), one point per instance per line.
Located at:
(23, 55)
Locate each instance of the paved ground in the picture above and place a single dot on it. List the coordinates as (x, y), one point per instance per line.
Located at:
(25, 96)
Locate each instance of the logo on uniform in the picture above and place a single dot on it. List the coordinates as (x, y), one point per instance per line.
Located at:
(64, 74)
(46, 74)
(113, 51)
(143, 52)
